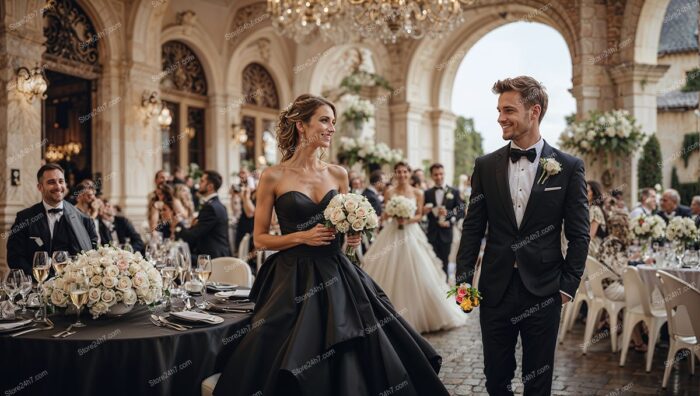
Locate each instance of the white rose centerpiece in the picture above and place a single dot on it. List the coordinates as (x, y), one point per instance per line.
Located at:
(682, 230)
(351, 214)
(401, 207)
(116, 276)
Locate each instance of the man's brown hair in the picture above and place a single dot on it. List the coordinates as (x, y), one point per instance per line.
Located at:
(531, 91)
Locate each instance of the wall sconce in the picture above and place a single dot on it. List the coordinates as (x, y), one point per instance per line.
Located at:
(165, 118)
(53, 153)
(151, 105)
(190, 132)
(71, 148)
(240, 135)
(32, 83)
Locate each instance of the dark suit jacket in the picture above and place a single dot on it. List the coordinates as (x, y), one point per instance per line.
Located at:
(31, 226)
(681, 211)
(124, 230)
(536, 244)
(455, 211)
(210, 234)
(373, 199)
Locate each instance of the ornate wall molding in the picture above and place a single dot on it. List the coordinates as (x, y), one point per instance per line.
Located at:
(259, 87)
(182, 70)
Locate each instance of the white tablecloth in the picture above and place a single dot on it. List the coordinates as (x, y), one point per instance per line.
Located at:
(648, 275)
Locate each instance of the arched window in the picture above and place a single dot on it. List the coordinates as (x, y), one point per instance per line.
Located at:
(259, 116)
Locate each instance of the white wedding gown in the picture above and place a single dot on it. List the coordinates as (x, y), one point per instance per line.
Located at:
(404, 264)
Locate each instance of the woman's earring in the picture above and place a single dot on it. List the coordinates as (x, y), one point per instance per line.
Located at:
(304, 141)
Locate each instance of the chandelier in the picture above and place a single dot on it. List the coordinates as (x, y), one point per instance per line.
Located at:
(388, 20)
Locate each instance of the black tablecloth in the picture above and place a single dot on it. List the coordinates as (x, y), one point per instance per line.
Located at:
(117, 356)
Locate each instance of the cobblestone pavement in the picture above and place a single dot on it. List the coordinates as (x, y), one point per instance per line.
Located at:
(596, 373)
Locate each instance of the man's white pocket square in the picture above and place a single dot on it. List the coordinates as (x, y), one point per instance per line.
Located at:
(38, 241)
(552, 189)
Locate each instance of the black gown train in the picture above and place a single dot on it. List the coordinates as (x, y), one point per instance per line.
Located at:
(322, 326)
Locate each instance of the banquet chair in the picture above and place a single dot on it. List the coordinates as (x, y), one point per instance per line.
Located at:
(682, 303)
(597, 272)
(209, 384)
(583, 294)
(639, 309)
(244, 247)
(231, 270)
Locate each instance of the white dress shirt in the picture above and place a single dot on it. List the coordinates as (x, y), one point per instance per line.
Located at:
(521, 176)
(97, 230)
(439, 195)
(53, 218)
(208, 198)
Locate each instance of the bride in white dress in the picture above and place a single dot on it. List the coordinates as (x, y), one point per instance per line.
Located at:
(403, 263)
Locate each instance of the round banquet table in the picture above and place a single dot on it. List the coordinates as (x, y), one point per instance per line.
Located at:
(648, 275)
(126, 355)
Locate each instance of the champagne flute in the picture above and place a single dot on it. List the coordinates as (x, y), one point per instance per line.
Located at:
(59, 260)
(12, 285)
(203, 270)
(79, 293)
(25, 289)
(40, 268)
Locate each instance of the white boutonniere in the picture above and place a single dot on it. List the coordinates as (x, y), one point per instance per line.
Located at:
(550, 167)
(449, 195)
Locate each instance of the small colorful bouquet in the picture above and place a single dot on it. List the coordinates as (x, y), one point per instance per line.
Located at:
(466, 297)
(351, 214)
(401, 207)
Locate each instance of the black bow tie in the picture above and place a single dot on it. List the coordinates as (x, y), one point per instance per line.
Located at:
(439, 187)
(515, 154)
(55, 210)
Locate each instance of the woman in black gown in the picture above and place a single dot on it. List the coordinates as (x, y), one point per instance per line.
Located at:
(321, 325)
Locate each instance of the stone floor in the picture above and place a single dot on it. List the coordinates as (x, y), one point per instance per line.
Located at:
(596, 373)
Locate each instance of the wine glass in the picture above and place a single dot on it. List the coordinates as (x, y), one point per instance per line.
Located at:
(59, 260)
(203, 271)
(127, 246)
(79, 292)
(40, 268)
(25, 289)
(12, 285)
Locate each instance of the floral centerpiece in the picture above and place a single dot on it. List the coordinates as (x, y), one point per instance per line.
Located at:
(613, 132)
(646, 228)
(466, 297)
(351, 214)
(116, 276)
(401, 207)
(682, 230)
(365, 150)
(357, 110)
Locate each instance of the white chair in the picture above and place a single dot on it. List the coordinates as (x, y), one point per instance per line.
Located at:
(244, 247)
(209, 384)
(597, 272)
(639, 309)
(583, 294)
(682, 303)
(231, 270)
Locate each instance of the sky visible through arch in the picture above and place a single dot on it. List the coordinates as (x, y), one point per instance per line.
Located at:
(520, 48)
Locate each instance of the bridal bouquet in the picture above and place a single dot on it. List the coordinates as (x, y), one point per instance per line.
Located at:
(401, 207)
(351, 214)
(648, 227)
(116, 276)
(682, 230)
(466, 297)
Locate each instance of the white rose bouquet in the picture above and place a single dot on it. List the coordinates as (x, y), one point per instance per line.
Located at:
(401, 207)
(351, 214)
(116, 276)
(648, 227)
(682, 230)
(614, 131)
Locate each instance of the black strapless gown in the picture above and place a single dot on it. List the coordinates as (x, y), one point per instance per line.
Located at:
(321, 326)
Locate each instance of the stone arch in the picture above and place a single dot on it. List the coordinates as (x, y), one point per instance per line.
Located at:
(647, 30)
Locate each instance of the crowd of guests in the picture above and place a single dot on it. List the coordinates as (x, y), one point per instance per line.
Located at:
(611, 239)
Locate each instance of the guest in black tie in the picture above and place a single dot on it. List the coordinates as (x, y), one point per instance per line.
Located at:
(374, 192)
(50, 225)
(117, 229)
(444, 208)
(695, 209)
(671, 206)
(209, 233)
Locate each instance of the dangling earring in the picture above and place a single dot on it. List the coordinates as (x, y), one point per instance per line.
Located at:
(304, 141)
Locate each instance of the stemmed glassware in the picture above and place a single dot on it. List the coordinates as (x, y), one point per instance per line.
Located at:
(40, 268)
(59, 260)
(13, 284)
(79, 288)
(203, 271)
(24, 290)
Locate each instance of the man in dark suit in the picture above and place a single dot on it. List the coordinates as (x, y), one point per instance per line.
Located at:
(670, 206)
(209, 233)
(118, 229)
(375, 189)
(524, 193)
(51, 225)
(695, 209)
(444, 208)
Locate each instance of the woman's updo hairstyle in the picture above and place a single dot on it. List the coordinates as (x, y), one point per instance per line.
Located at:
(301, 109)
(402, 164)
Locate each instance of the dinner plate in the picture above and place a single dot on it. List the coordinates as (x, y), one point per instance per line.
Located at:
(197, 317)
(14, 326)
(233, 294)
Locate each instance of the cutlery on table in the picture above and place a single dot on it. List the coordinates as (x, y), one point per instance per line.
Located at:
(60, 333)
(183, 326)
(160, 324)
(33, 329)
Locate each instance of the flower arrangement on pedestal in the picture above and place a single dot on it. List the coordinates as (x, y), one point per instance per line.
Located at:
(368, 152)
(357, 110)
(612, 132)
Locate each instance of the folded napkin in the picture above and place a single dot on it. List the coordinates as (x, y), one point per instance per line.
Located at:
(14, 325)
(235, 293)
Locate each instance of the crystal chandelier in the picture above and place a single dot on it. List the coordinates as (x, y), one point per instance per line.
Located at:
(388, 20)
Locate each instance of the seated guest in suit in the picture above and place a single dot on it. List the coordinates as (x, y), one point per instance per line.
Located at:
(51, 225)
(647, 203)
(695, 209)
(88, 203)
(671, 206)
(375, 191)
(209, 234)
(117, 229)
